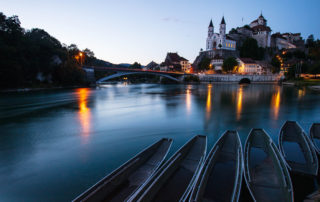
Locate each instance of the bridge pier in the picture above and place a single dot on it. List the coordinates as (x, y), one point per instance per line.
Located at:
(90, 76)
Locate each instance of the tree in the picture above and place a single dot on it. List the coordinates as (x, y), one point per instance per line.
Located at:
(275, 65)
(315, 68)
(310, 41)
(250, 49)
(229, 64)
(204, 63)
(135, 65)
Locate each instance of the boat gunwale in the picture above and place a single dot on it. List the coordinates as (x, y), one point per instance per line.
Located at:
(194, 195)
(145, 187)
(276, 152)
(312, 137)
(98, 185)
(309, 145)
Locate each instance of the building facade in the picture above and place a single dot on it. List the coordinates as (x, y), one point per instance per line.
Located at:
(249, 66)
(174, 62)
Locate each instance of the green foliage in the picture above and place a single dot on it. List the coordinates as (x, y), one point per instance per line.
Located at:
(34, 57)
(204, 63)
(247, 26)
(275, 65)
(229, 64)
(135, 65)
(315, 68)
(250, 49)
(191, 78)
(290, 74)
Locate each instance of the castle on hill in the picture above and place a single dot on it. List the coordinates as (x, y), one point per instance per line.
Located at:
(222, 45)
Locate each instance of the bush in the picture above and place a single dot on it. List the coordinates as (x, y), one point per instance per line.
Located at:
(191, 78)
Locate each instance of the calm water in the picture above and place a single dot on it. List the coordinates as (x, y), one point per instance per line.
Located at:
(55, 144)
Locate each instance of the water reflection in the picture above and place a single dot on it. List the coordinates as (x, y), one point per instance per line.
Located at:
(188, 99)
(208, 106)
(275, 103)
(239, 102)
(301, 93)
(84, 113)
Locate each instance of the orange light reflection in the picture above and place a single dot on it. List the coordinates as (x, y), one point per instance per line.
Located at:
(208, 107)
(239, 102)
(275, 103)
(188, 99)
(84, 113)
(301, 93)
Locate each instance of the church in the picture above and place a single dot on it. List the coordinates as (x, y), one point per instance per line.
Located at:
(219, 41)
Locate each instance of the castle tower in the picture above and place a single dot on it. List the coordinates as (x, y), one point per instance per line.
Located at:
(223, 27)
(262, 20)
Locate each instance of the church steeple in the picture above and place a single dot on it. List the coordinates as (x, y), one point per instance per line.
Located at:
(211, 24)
(223, 27)
(210, 29)
(223, 22)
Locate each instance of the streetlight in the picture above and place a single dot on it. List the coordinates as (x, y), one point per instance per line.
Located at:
(80, 55)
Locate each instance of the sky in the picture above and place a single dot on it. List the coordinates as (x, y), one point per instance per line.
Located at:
(126, 31)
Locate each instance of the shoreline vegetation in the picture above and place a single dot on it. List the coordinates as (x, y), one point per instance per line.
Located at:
(31, 59)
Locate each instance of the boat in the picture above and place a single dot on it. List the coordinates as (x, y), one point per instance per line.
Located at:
(173, 181)
(315, 136)
(265, 170)
(122, 182)
(297, 149)
(220, 178)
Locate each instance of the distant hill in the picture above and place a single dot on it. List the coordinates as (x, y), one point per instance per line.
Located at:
(125, 65)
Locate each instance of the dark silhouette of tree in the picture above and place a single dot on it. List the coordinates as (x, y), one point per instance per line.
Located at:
(204, 63)
(250, 49)
(32, 58)
(135, 65)
(229, 64)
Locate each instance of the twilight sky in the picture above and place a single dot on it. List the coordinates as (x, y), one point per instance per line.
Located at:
(125, 31)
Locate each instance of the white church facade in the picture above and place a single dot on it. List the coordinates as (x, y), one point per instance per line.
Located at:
(219, 41)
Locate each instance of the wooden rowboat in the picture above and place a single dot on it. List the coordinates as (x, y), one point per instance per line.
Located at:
(173, 181)
(122, 182)
(221, 175)
(265, 170)
(315, 136)
(297, 149)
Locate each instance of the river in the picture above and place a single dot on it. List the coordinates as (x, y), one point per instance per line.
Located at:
(55, 144)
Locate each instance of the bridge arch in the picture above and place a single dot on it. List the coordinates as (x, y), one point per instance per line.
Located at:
(118, 74)
(245, 80)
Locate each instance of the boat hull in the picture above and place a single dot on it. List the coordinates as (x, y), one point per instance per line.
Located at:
(265, 171)
(220, 178)
(122, 182)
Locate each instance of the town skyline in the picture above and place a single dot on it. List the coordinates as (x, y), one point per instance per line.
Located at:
(156, 28)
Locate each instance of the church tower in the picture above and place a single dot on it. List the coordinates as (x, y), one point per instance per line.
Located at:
(210, 29)
(210, 36)
(223, 27)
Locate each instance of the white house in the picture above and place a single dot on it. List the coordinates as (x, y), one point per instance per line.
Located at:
(217, 62)
(248, 66)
